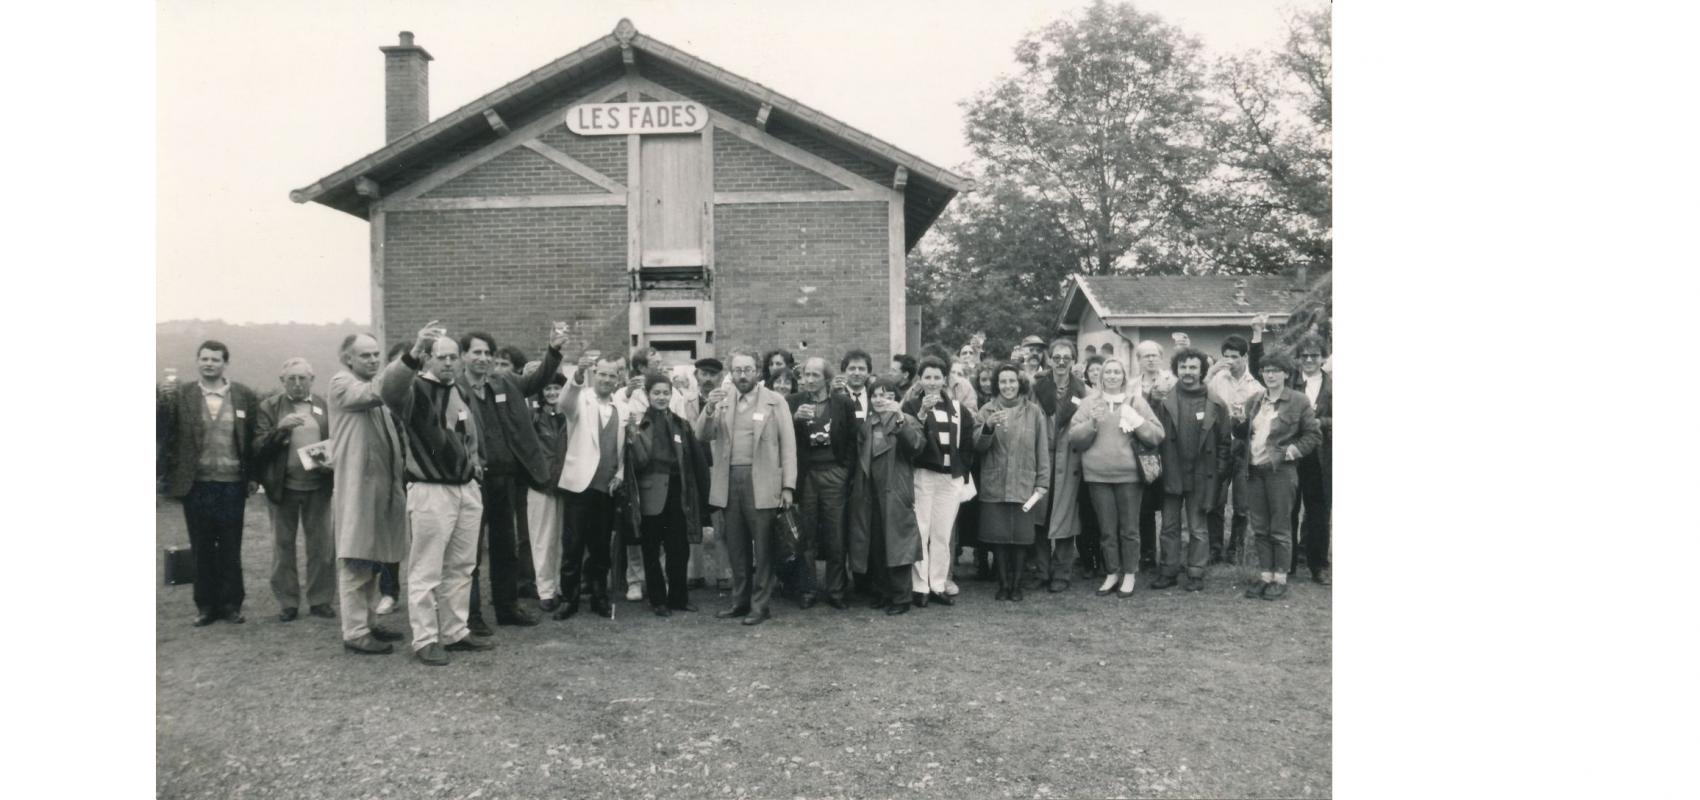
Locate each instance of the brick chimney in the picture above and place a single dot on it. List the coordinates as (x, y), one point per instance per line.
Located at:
(406, 88)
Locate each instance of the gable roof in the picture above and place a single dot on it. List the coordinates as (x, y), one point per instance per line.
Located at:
(928, 190)
(1131, 300)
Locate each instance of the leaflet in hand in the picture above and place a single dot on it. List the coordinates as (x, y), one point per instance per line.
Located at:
(1130, 420)
(315, 456)
(1031, 502)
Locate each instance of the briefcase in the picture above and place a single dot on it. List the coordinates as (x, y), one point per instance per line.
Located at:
(179, 566)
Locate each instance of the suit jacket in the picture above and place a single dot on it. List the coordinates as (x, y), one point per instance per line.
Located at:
(181, 420)
(271, 443)
(775, 464)
(581, 447)
(1215, 455)
(650, 489)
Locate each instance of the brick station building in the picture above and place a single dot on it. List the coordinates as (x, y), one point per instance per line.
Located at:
(719, 213)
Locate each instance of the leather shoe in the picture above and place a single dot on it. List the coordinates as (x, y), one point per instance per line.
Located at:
(566, 611)
(1165, 582)
(432, 655)
(809, 600)
(548, 606)
(288, 615)
(943, 600)
(838, 603)
(733, 613)
(368, 646)
(756, 619)
(689, 608)
(204, 619)
(661, 611)
(896, 608)
(601, 607)
(1002, 594)
(515, 616)
(919, 599)
(1256, 590)
(1322, 576)
(478, 627)
(471, 644)
(1016, 594)
(1194, 584)
(1275, 591)
(322, 611)
(879, 602)
(234, 617)
(383, 635)
(1056, 585)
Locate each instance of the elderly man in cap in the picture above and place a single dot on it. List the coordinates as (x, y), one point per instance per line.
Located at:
(290, 455)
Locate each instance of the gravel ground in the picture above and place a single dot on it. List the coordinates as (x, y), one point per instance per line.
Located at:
(1167, 694)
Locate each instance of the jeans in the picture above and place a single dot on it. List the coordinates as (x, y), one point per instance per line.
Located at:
(1271, 491)
(1181, 512)
(1117, 507)
(820, 500)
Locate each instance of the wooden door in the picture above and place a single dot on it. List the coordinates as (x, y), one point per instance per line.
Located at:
(673, 198)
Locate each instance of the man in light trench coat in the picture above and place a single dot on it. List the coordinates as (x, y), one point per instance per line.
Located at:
(369, 502)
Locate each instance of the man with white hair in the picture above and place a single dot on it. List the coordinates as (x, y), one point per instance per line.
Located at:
(369, 501)
(298, 484)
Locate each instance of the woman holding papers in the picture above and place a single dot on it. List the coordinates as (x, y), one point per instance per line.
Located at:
(1102, 432)
(1014, 443)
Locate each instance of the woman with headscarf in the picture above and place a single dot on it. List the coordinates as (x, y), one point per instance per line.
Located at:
(669, 474)
(1103, 432)
(1013, 440)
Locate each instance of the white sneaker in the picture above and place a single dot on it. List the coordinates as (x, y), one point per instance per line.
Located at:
(385, 605)
(634, 592)
(950, 589)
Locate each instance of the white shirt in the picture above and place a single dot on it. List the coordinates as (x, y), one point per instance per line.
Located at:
(214, 398)
(1313, 387)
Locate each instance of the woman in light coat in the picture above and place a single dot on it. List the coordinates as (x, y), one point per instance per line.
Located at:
(1014, 443)
(1103, 432)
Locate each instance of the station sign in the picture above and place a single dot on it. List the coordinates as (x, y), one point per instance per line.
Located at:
(623, 119)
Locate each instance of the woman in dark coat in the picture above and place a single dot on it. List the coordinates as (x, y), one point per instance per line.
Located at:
(886, 541)
(1014, 443)
(668, 474)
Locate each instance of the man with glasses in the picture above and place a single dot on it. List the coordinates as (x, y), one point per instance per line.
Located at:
(1059, 393)
(299, 489)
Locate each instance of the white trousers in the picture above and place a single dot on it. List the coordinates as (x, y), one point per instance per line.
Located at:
(935, 513)
(543, 515)
(445, 521)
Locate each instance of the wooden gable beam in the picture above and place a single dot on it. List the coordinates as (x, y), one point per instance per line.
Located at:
(515, 138)
(901, 179)
(766, 141)
(761, 116)
(495, 120)
(366, 187)
(578, 167)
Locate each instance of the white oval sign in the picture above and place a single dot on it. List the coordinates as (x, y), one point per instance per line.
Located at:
(608, 119)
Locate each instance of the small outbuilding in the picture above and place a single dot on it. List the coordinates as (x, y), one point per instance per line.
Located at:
(642, 195)
(1123, 310)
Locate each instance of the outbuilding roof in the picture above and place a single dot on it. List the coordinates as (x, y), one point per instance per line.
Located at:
(928, 188)
(1133, 300)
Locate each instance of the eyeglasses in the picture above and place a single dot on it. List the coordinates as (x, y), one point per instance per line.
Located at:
(745, 370)
(1062, 358)
(1317, 356)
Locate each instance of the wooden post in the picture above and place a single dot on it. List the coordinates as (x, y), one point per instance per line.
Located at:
(378, 276)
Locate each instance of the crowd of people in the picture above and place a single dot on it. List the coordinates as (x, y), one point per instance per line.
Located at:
(757, 476)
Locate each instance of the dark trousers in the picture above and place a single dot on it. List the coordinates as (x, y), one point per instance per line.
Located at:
(504, 511)
(1149, 504)
(1011, 558)
(1270, 492)
(820, 501)
(213, 512)
(665, 533)
(389, 580)
(1317, 499)
(1055, 557)
(1087, 543)
(749, 543)
(526, 570)
(589, 521)
(1218, 515)
(1181, 511)
(1117, 505)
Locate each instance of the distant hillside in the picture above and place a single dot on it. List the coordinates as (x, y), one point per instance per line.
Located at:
(257, 351)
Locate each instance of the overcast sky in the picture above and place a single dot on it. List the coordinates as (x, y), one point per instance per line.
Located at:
(257, 98)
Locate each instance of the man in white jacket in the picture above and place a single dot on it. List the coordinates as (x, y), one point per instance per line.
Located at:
(591, 473)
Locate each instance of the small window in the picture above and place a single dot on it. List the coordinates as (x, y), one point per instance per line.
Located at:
(672, 315)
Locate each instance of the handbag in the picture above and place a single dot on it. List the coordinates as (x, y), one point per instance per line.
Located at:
(966, 490)
(1150, 462)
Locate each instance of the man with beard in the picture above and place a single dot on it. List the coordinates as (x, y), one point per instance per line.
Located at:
(754, 476)
(369, 500)
(512, 458)
(825, 423)
(1199, 447)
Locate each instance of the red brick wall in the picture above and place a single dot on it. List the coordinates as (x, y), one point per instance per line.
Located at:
(517, 172)
(742, 167)
(509, 272)
(767, 258)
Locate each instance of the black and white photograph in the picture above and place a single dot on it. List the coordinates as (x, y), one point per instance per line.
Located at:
(760, 399)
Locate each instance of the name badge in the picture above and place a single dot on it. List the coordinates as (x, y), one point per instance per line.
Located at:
(944, 437)
(1074, 400)
(1201, 416)
(940, 415)
(319, 411)
(461, 415)
(677, 440)
(501, 398)
(860, 414)
(240, 414)
(758, 416)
